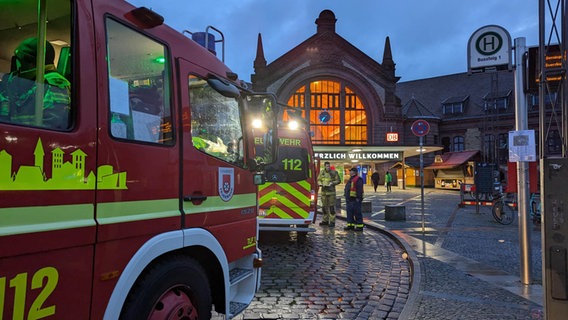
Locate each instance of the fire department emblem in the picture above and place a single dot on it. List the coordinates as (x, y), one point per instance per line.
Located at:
(226, 183)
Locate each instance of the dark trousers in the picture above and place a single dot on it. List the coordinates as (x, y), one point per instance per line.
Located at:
(354, 215)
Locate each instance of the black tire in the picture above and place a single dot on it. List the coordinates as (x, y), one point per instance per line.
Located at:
(497, 210)
(509, 214)
(176, 288)
(503, 212)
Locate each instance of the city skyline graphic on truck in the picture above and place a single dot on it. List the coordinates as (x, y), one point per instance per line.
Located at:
(69, 175)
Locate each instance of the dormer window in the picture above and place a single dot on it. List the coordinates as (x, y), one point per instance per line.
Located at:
(496, 101)
(454, 105)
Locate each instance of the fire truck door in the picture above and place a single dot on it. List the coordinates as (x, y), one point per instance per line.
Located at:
(214, 180)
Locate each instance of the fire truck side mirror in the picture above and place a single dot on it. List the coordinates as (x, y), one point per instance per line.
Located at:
(258, 179)
(224, 87)
(270, 148)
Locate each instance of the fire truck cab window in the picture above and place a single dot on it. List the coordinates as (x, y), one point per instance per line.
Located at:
(138, 85)
(215, 122)
(35, 89)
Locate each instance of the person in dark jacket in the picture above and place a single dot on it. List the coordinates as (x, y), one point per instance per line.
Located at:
(375, 177)
(353, 199)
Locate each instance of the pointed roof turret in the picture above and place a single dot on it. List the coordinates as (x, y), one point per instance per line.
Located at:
(259, 61)
(326, 21)
(388, 62)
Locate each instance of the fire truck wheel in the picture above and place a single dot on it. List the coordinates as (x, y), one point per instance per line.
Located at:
(173, 289)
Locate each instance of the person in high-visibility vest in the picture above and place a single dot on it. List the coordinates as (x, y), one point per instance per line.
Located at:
(328, 179)
(353, 199)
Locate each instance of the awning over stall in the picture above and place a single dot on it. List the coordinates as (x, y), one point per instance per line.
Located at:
(450, 160)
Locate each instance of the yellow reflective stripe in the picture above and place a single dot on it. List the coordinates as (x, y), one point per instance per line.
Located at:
(305, 184)
(283, 215)
(297, 194)
(116, 212)
(264, 186)
(48, 218)
(45, 218)
(293, 206)
(279, 213)
(267, 197)
(238, 201)
(126, 211)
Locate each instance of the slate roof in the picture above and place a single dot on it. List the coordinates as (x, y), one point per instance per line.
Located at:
(472, 89)
(415, 109)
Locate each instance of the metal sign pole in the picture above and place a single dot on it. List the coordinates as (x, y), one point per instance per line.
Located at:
(422, 181)
(521, 123)
(420, 128)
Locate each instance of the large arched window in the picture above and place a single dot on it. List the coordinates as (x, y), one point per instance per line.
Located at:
(335, 112)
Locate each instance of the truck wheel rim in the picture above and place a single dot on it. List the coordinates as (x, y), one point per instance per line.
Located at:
(175, 303)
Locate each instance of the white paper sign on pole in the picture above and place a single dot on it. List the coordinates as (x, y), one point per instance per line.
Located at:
(522, 147)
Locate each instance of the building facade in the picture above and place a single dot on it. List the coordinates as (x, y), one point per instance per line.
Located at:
(355, 102)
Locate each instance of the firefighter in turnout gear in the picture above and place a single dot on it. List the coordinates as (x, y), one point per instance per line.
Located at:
(328, 179)
(353, 199)
(18, 90)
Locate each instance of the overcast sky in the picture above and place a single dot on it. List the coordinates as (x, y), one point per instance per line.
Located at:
(428, 37)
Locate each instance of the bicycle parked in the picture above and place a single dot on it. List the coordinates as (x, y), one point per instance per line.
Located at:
(505, 208)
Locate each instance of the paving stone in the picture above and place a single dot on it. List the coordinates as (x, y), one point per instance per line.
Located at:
(335, 274)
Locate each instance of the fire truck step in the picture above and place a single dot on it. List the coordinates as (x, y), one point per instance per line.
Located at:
(237, 307)
(238, 274)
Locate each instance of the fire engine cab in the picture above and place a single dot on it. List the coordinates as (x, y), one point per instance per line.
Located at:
(128, 183)
(287, 200)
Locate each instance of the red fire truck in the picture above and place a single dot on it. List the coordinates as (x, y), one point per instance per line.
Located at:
(128, 188)
(287, 201)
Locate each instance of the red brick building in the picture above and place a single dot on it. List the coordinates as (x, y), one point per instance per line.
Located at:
(352, 100)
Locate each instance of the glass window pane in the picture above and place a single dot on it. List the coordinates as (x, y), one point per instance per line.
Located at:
(32, 95)
(326, 106)
(140, 109)
(215, 122)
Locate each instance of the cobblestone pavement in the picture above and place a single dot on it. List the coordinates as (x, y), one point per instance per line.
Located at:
(331, 274)
(462, 265)
(469, 264)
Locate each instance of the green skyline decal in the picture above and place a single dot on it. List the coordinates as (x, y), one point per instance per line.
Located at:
(64, 175)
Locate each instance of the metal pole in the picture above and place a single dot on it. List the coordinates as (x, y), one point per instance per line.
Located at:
(521, 123)
(422, 181)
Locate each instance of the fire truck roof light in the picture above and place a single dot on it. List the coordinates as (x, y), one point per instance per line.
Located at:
(144, 18)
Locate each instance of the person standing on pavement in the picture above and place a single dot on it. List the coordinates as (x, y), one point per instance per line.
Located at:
(353, 199)
(388, 181)
(328, 179)
(375, 179)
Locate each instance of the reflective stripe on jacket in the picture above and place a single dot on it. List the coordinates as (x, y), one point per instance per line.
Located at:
(353, 189)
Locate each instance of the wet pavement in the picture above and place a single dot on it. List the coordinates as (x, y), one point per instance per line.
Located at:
(468, 265)
(442, 262)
